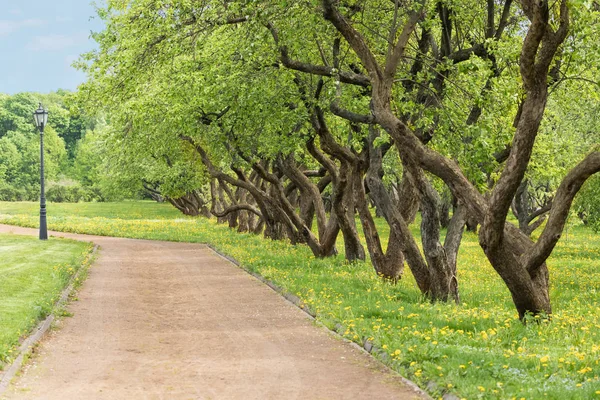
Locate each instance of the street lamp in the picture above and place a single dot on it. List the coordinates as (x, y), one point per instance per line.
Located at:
(41, 118)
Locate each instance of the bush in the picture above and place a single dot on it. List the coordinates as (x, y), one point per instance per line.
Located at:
(72, 194)
(11, 193)
(57, 194)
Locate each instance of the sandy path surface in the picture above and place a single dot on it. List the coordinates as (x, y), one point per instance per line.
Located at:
(161, 320)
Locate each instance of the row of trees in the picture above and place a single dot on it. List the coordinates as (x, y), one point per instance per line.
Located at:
(291, 118)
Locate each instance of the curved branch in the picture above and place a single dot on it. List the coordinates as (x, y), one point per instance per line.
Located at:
(328, 142)
(464, 54)
(237, 207)
(325, 161)
(315, 174)
(349, 115)
(540, 211)
(560, 211)
(309, 188)
(216, 173)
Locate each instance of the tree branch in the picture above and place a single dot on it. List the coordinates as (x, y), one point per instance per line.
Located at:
(394, 57)
(349, 115)
(237, 207)
(540, 211)
(503, 19)
(319, 70)
(353, 37)
(560, 211)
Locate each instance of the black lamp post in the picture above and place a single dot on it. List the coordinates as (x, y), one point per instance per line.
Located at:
(41, 118)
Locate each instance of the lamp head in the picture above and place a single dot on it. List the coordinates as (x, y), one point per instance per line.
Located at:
(41, 117)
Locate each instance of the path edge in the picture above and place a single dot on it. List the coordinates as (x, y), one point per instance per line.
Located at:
(367, 346)
(42, 328)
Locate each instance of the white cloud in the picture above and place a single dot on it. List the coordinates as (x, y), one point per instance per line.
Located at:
(57, 42)
(8, 27)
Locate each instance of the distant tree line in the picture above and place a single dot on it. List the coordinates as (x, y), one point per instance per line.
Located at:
(74, 166)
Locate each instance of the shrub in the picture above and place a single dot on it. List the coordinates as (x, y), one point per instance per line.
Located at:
(11, 193)
(72, 194)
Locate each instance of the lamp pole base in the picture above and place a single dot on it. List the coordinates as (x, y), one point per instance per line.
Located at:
(43, 225)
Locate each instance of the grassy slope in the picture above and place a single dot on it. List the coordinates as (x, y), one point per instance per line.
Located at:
(33, 273)
(477, 350)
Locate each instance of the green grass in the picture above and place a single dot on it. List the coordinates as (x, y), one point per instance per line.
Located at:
(122, 209)
(478, 349)
(33, 274)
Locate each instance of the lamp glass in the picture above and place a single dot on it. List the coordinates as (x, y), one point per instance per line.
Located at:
(41, 116)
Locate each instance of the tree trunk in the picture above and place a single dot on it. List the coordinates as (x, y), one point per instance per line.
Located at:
(472, 224)
(530, 292)
(389, 264)
(243, 225)
(216, 203)
(445, 213)
(312, 204)
(231, 217)
(344, 209)
(342, 197)
(454, 234)
(443, 281)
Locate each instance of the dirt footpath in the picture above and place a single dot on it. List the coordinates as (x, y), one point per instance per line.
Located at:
(161, 320)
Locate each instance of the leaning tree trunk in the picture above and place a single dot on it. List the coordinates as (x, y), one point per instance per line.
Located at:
(445, 213)
(217, 201)
(153, 190)
(191, 204)
(527, 282)
(243, 216)
(232, 217)
(529, 291)
(454, 233)
(344, 208)
(442, 279)
(389, 264)
(342, 198)
(401, 243)
(521, 262)
(311, 205)
(472, 223)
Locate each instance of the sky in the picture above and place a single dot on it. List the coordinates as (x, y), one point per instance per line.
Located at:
(40, 39)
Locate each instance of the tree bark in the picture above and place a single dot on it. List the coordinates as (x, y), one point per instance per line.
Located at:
(313, 202)
(342, 197)
(454, 234)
